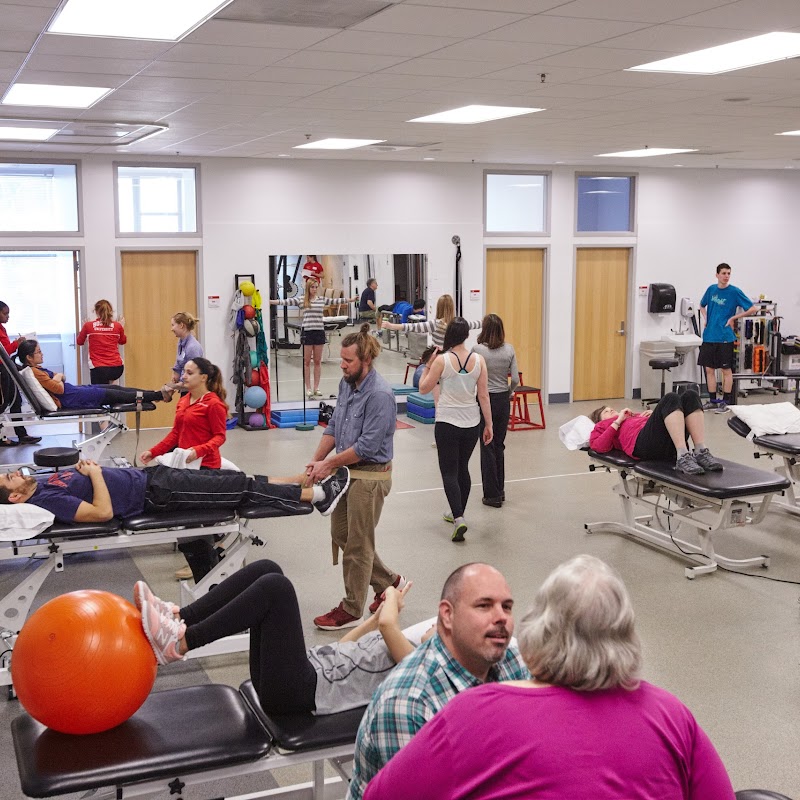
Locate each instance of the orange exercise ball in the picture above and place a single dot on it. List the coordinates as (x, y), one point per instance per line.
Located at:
(255, 378)
(249, 312)
(82, 663)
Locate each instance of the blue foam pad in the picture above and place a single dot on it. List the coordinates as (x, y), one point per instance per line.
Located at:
(423, 420)
(402, 388)
(421, 400)
(295, 415)
(427, 413)
(291, 423)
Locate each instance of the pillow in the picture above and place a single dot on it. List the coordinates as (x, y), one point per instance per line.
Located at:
(23, 521)
(770, 419)
(575, 433)
(37, 390)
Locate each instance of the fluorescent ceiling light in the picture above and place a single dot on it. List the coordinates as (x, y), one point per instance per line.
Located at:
(44, 94)
(27, 134)
(338, 144)
(727, 57)
(646, 152)
(601, 191)
(143, 19)
(470, 115)
(789, 133)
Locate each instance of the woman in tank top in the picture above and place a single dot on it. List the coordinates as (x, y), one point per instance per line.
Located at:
(461, 375)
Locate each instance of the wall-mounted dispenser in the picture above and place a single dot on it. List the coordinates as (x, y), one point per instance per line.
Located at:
(661, 298)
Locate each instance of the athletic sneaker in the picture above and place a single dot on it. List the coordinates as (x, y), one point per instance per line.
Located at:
(399, 583)
(688, 466)
(142, 593)
(317, 393)
(707, 461)
(448, 517)
(722, 408)
(309, 394)
(334, 486)
(335, 619)
(459, 529)
(710, 405)
(163, 633)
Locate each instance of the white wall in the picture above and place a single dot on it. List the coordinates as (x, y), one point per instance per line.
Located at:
(688, 221)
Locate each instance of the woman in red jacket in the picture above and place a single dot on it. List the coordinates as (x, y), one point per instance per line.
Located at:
(200, 430)
(658, 435)
(105, 336)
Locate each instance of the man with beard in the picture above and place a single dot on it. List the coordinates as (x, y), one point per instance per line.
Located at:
(360, 435)
(471, 647)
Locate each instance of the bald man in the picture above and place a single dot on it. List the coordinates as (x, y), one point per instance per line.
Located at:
(471, 646)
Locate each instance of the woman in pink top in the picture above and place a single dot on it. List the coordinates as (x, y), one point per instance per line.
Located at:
(657, 435)
(585, 727)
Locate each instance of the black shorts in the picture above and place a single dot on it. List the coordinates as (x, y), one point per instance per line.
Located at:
(312, 337)
(718, 355)
(653, 442)
(105, 374)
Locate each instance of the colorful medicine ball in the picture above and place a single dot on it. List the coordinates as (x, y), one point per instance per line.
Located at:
(249, 312)
(82, 663)
(255, 397)
(257, 421)
(251, 327)
(247, 288)
(255, 378)
(253, 359)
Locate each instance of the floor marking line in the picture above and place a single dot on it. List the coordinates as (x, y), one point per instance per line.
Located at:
(513, 480)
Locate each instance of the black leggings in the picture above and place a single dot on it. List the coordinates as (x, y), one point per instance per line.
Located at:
(260, 597)
(653, 442)
(454, 447)
(127, 394)
(105, 374)
(493, 461)
(12, 394)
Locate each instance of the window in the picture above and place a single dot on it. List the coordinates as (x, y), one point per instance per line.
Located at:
(515, 203)
(38, 198)
(156, 200)
(605, 203)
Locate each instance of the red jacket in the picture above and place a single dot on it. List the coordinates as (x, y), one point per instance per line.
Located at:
(8, 346)
(604, 438)
(199, 425)
(104, 341)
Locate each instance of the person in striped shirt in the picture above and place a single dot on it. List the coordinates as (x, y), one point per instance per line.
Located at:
(445, 314)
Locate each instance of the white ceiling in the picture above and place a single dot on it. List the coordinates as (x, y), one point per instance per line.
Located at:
(256, 89)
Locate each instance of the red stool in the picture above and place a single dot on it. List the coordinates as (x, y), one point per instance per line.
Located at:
(410, 365)
(520, 419)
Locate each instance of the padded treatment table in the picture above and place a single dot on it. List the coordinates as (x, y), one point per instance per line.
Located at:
(708, 504)
(184, 737)
(785, 446)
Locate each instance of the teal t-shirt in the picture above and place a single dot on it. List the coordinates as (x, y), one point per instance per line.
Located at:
(721, 305)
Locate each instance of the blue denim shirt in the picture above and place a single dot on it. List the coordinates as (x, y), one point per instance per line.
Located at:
(364, 419)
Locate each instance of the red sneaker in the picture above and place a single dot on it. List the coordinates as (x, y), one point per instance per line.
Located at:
(399, 583)
(335, 619)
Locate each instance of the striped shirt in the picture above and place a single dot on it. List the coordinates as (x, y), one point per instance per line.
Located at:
(435, 327)
(311, 317)
(421, 684)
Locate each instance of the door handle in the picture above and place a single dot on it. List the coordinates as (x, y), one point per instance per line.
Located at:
(621, 330)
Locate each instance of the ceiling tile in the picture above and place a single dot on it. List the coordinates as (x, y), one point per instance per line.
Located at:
(313, 76)
(17, 41)
(533, 72)
(497, 52)
(70, 78)
(519, 6)
(109, 66)
(96, 47)
(674, 38)
(442, 67)
(423, 19)
(185, 69)
(224, 54)
(562, 30)
(753, 15)
(249, 34)
(607, 58)
(636, 10)
(359, 62)
(24, 17)
(388, 44)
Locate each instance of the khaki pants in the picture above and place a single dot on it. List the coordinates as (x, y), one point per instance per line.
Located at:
(353, 524)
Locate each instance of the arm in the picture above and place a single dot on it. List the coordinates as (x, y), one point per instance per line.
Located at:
(432, 374)
(80, 339)
(170, 441)
(316, 466)
(123, 339)
(514, 370)
(752, 310)
(53, 385)
(389, 625)
(411, 327)
(100, 509)
(483, 401)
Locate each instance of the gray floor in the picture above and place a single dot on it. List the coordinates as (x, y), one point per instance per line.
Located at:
(726, 645)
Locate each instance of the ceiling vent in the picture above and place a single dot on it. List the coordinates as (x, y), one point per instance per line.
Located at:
(305, 13)
(392, 147)
(87, 132)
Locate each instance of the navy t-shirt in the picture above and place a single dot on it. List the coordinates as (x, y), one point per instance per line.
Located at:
(62, 492)
(367, 294)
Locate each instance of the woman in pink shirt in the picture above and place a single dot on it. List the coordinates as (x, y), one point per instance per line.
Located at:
(658, 435)
(585, 726)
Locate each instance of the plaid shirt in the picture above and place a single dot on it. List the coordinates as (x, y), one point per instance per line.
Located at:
(420, 685)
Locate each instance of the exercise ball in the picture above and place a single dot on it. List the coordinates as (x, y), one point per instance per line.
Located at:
(247, 288)
(82, 663)
(249, 312)
(254, 359)
(255, 397)
(257, 421)
(251, 327)
(255, 378)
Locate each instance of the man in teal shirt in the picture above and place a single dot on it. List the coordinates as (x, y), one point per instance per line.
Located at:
(718, 307)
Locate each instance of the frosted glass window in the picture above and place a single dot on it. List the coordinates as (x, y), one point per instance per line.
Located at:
(515, 203)
(38, 197)
(156, 199)
(605, 203)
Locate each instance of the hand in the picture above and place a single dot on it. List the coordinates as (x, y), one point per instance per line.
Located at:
(392, 605)
(88, 468)
(353, 299)
(59, 376)
(623, 415)
(146, 457)
(730, 323)
(121, 321)
(20, 339)
(318, 470)
(488, 434)
(191, 455)
(647, 413)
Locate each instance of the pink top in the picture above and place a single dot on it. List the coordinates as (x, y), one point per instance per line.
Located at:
(604, 438)
(552, 743)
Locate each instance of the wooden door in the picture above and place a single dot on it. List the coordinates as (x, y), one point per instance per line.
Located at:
(514, 291)
(601, 323)
(155, 285)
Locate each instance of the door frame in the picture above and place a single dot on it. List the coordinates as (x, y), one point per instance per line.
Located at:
(630, 310)
(545, 248)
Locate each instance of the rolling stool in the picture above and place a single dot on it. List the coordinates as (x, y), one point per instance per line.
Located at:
(56, 457)
(520, 419)
(410, 365)
(665, 365)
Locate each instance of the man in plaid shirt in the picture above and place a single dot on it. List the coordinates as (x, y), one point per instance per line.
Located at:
(470, 647)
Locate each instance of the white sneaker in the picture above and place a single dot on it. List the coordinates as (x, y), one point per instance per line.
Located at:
(317, 393)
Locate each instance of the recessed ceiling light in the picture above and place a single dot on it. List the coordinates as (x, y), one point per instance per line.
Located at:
(470, 115)
(144, 19)
(27, 134)
(647, 152)
(428, 158)
(677, 165)
(283, 155)
(45, 94)
(338, 144)
(789, 133)
(750, 52)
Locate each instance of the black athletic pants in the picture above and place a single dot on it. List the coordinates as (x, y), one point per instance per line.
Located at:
(653, 442)
(115, 395)
(493, 459)
(454, 446)
(9, 390)
(105, 374)
(260, 597)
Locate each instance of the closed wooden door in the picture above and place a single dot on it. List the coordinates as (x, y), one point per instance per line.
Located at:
(155, 285)
(601, 323)
(514, 291)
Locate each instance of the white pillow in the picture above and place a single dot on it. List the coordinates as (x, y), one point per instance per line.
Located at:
(23, 521)
(575, 433)
(769, 419)
(36, 389)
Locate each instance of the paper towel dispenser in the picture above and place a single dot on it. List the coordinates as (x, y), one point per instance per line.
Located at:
(661, 298)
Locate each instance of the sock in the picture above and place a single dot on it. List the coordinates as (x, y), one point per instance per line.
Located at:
(317, 493)
(458, 521)
(728, 398)
(701, 449)
(682, 451)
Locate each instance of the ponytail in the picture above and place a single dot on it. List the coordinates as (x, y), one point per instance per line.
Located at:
(213, 375)
(104, 311)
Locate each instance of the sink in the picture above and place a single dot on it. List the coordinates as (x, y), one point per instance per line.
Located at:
(683, 342)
